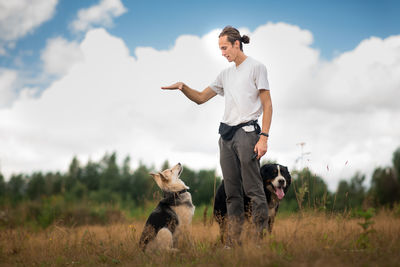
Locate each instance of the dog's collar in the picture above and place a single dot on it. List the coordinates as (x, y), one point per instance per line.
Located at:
(174, 194)
(182, 191)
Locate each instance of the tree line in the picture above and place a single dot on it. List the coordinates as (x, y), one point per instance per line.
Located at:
(102, 182)
(106, 181)
(310, 191)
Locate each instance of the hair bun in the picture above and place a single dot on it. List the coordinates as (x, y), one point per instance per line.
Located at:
(245, 39)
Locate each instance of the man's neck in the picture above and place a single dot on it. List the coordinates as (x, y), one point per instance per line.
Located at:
(240, 58)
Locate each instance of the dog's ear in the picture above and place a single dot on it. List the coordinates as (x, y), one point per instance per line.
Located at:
(288, 178)
(267, 171)
(162, 176)
(263, 171)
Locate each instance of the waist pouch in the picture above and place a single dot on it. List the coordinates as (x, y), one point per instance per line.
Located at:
(227, 132)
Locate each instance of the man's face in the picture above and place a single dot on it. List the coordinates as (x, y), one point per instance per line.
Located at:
(228, 50)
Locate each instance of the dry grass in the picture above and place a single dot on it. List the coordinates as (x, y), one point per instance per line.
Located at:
(300, 240)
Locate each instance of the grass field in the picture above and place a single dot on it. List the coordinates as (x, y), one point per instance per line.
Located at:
(303, 239)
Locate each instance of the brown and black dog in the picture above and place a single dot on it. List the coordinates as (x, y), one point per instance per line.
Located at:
(276, 181)
(173, 215)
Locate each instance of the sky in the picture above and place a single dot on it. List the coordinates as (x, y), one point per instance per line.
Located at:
(83, 78)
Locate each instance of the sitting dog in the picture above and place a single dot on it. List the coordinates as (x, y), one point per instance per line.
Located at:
(173, 213)
(276, 181)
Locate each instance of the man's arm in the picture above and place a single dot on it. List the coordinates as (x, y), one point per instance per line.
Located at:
(194, 95)
(262, 144)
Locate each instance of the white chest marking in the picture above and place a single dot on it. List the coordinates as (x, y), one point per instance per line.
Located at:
(184, 213)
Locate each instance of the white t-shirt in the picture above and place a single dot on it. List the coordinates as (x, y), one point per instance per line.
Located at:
(240, 86)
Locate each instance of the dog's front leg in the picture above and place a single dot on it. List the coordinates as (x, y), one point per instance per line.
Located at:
(271, 220)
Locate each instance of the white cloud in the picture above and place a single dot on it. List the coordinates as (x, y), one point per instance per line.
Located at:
(345, 109)
(7, 82)
(18, 18)
(98, 15)
(112, 101)
(59, 55)
(364, 79)
(107, 101)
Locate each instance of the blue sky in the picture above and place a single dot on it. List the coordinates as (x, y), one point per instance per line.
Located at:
(68, 91)
(337, 26)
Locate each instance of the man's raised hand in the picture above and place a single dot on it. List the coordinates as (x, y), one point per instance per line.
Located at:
(178, 85)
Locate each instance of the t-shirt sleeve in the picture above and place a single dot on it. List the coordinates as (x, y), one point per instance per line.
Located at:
(217, 85)
(261, 77)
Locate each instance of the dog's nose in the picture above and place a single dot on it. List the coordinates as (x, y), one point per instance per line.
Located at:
(179, 163)
(281, 182)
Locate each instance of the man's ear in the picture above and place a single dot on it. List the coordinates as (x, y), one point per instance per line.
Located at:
(237, 43)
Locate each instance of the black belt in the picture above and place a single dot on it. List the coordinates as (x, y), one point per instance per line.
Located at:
(227, 132)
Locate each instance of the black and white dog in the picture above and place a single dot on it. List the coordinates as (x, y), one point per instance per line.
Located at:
(276, 181)
(173, 214)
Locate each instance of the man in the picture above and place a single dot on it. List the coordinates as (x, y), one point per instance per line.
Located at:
(246, 90)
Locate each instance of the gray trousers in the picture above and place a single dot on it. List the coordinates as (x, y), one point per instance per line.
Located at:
(242, 173)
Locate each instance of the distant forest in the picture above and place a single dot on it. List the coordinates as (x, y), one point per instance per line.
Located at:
(46, 197)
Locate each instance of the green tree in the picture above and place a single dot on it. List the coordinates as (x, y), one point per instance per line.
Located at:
(142, 186)
(385, 188)
(341, 200)
(79, 190)
(126, 166)
(73, 175)
(91, 176)
(36, 186)
(396, 163)
(15, 188)
(165, 165)
(308, 189)
(110, 177)
(350, 194)
(54, 183)
(358, 191)
(126, 178)
(2, 188)
(201, 184)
